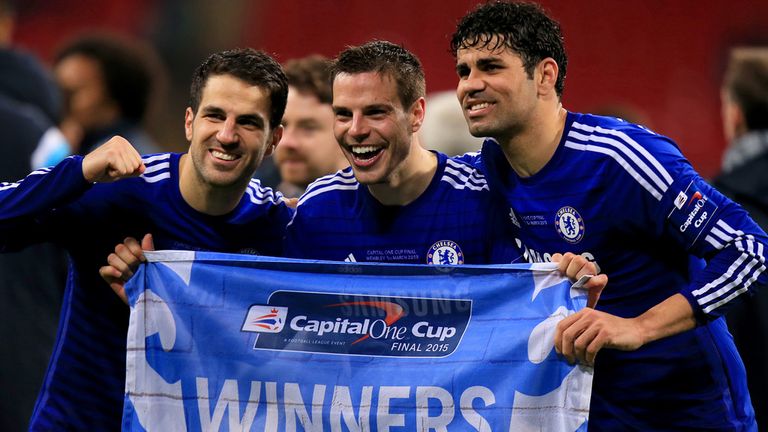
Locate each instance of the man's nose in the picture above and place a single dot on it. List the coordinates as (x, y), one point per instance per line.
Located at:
(228, 131)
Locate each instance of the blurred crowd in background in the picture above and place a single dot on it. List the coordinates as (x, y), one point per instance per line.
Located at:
(662, 61)
(75, 73)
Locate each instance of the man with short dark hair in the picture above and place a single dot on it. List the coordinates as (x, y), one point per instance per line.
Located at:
(307, 150)
(397, 202)
(627, 197)
(204, 199)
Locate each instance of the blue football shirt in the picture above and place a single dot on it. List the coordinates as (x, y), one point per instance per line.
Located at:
(85, 381)
(627, 198)
(451, 222)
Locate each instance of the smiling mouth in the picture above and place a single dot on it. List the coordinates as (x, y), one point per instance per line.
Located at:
(476, 107)
(365, 153)
(224, 156)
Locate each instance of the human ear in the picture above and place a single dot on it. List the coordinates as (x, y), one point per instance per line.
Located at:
(277, 134)
(189, 116)
(546, 75)
(417, 114)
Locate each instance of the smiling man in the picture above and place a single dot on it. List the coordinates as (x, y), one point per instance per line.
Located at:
(627, 197)
(202, 200)
(397, 202)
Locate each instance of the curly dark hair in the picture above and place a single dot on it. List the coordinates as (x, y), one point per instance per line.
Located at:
(385, 57)
(311, 75)
(252, 66)
(523, 28)
(130, 68)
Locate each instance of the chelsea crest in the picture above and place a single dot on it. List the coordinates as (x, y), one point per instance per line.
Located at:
(445, 252)
(569, 224)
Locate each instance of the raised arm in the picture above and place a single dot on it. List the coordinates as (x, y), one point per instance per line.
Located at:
(48, 188)
(24, 203)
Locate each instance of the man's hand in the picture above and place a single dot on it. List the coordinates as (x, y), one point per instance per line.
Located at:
(124, 262)
(574, 267)
(291, 202)
(580, 336)
(112, 161)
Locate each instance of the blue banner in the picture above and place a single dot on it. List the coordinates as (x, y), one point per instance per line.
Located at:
(244, 343)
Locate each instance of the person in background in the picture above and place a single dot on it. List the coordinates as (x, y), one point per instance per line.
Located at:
(744, 178)
(308, 149)
(29, 299)
(108, 82)
(29, 88)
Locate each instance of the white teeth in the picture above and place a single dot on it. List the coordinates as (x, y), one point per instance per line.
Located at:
(479, 106)
(363, 149)
(225, 156)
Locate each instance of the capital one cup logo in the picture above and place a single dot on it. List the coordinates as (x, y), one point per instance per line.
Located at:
(358, 324)
(265, 319)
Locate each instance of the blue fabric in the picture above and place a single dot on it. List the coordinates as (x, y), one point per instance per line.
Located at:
(88, 361)
(313, 344)
(626, 197)
(455, 220)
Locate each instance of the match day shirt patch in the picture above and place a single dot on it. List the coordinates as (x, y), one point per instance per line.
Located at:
(692, 211)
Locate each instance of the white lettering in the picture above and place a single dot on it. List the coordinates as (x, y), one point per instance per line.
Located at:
(699, 204)
(294, 407)
(384, 418)
(325, 327)
(381, 333)
(272, 415)
(435, 408)
(468, 411)
(432, 332)
(700, 220)
(301, 323)
(229, 399)
(341, 405)
(439, 423)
